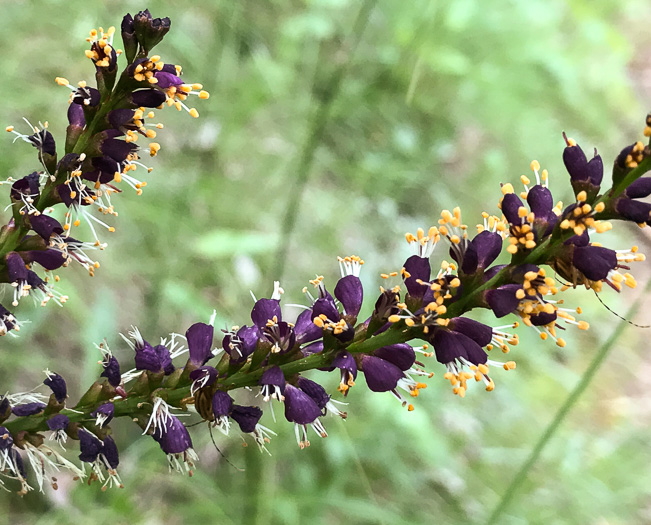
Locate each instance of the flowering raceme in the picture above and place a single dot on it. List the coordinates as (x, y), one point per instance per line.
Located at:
(101, 156)
(422, 311)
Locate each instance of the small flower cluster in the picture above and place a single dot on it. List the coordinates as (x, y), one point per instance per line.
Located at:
(101, 155)
(550, 249)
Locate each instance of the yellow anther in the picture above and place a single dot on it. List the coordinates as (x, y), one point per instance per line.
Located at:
(61, 81)
(561, 342)
(535, 165)
(194, 113)
(394, 318)
(204, 95)
(507, 188)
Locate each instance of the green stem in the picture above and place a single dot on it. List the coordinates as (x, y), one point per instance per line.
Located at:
(563, 411)
(315, 132)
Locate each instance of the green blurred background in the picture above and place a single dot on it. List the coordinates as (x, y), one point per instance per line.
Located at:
(437, 104)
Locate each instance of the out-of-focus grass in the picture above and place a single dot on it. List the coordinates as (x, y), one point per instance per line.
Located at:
(442, 102)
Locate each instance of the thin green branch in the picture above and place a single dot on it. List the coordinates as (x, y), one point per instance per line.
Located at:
(564, 410)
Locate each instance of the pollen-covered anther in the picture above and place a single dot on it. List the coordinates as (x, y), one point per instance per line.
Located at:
(424, 244)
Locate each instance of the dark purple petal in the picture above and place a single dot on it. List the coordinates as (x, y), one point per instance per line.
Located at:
(639, 189)
(325, 306)
(174, 438)
(265, 310)
(381, 376)
(16, 268)
(76, 116)
(149, 98)
(595, 170)
(27, 409)
(315, 391)
(543, 318)
(242, 344)
(45, 226)
(118, 150)
(86, 96)
(401, 355)
(89, 445)
(48, 259)
(246, 417)
(305, 330)
(479, 332)
(222, 404)
(636, 211)
(313, 348)
(418, 268)
(58, 386)
(489, 246)
(121, 117)
(110, 452)
(199, 337)
(300, 408)
(207, 375)
(27, 186)
(540, 201)
(350, 294)
(503, 300)
(147, 358)
(345, 361)
(44, 142)
(166, 80)
(112, 371)
(449, 346)
(575, 162)
(165, 359)
(595, 262)
(510, 206)
(58, 422)
(107, 410)
(273, 376)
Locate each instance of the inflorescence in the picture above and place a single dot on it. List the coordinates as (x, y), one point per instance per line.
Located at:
(547, 249)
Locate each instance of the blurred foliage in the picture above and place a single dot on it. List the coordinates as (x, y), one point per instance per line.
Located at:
(440, 103)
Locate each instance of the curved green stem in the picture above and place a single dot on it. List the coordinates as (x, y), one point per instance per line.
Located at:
(563, 411)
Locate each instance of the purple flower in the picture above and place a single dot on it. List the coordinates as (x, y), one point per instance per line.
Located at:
(417, 273)
(302, 410)
(28, 409)
(480, 252)
(199, 337)
(111, 370)
(58, 386)
(174, 439)
(146, 357)
(346, 363)
(401, 355)
(584, 175)
(201, 377)
(58, 422)
(222, 405)
(110, 453)
(505, 299)
(595, 262)
(241, 344)
(306, 331)
(45, 226)
(381, 375)
(103, 414)
(272, 383)
(165, 359)
(89, 446)
(246, 417)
